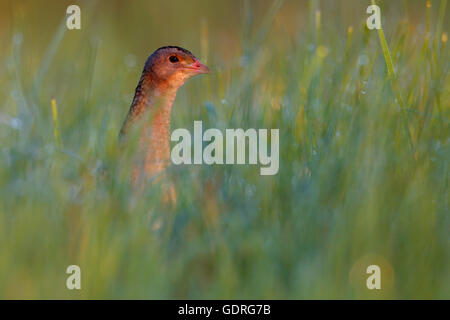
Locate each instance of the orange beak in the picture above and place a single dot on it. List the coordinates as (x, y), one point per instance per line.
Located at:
(197, 67)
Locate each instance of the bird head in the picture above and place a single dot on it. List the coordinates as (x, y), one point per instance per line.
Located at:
(171, 66)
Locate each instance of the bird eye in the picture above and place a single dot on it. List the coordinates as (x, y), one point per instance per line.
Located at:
(173, 59)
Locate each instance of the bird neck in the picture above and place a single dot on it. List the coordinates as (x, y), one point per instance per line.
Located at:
(156, 132)
(152, 104)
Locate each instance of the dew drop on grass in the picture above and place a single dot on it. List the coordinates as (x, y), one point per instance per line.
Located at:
(250, 190)
(210, 109)
(16, 123)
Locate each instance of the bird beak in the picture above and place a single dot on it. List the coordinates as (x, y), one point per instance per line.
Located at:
(197, 67)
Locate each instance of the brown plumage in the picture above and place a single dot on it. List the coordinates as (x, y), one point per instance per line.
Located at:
(166, 70)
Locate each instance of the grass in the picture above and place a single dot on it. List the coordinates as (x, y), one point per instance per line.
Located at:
(393, 77)
(364, 149)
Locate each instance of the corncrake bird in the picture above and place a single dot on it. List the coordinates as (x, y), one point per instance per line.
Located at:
(165, 71)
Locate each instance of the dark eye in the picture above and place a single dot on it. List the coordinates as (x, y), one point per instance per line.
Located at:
(173, 59)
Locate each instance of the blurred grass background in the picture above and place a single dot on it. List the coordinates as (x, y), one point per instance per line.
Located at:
(361, 181)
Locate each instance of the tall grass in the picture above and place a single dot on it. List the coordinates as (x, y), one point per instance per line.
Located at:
(350, 191)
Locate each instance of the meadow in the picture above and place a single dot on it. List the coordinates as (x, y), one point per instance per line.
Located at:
(363, 119)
